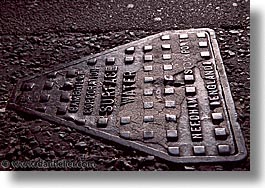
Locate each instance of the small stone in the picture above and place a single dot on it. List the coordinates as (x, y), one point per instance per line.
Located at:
(150, 158)
(81, 144)
(234, 4)
(157, 19)
(233, 32)
(131, 33)
(2, 110)
(62, 134)
(231, 53)
(36, 129)
(130, 6)
(38, 150)
(189, 168)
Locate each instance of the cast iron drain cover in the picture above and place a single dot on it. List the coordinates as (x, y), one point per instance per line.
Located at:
(166, 95)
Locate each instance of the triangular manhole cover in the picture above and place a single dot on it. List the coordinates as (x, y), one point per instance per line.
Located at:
(166, 95)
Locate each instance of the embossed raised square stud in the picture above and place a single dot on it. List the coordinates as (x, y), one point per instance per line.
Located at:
(148, 134)
(148, 105)
(217, 117)
(165, 37)
(48, 85)
(172, 135)
(61, 110)
(148, 91)
(52, 74)
(173, 151)
(128, 59)
(171, 117)
(223, 149)
(148, 57)
(183, 36)
(102, 122)
(125, 120)
(168, 79)
(169, 90)
(148, 119)
(41, 108)
(190, 90)
(220, 133)
(125, 134)
(189, 79)
(167, 67)
(71, 73)
(68, 85)
(110, 60)
(130, 50)
(205, 54)
(65, 97)
(91, 61)
(27, 86)
(199, 150)
(165, 46)
(166, 56)
(203, 44)
(170, 104)
(44, 97)
(148, 79)
(201, 35)
(148, 48)
(148, 68)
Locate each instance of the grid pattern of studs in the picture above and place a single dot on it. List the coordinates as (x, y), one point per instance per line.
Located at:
(162, 85)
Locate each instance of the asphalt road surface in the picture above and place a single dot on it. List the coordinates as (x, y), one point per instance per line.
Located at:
(38, 35)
